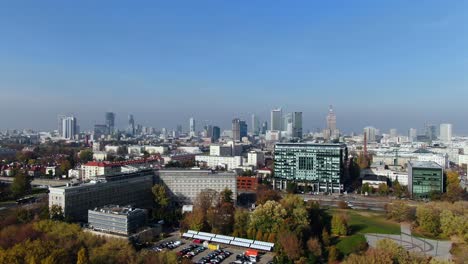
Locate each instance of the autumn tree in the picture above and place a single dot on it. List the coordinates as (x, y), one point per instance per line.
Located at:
(82, 257)
(454, 192)
(86, 155)
(399, 211)
(325, 237)
(314, 246)
(427, 218)
(265, 193)
(383, 189)
(56, 213)
(161, 201)
(332, 254)
(21, 184)
(241, 223)
(339, 225)
(268, 217)
(290, 245)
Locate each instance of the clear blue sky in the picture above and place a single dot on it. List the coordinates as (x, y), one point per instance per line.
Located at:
(382, 63)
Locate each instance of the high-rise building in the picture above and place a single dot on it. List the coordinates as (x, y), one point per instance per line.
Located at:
(110, 122)
(239, 129)
(371, 133)
(287, 119)
(393, 132)
(69, 127)
(297, 124)
(243, 129)
(192, 127)
(431, 132)
(331, 119)
(276, 119)
(255, 125)
(264, 128)
(446, 133)
(179, 129)
(60, 124)
(215, 134)
(131, 125)
(412, 134)
(321, 166)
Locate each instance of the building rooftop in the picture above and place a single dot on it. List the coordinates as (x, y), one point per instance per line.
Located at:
(372, 177)
(117, 210)
(425, 164)
(312, 144)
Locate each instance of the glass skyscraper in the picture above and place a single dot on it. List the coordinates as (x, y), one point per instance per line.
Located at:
(321, 166)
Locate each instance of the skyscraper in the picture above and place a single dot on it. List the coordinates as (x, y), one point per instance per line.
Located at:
(446, 133)
(215, 134)
(431, 132)
(331, 120)
(69, 127)
(255, 125)
(297, 124)
(110, 122)
(287, 122)
(370, 133)
(131, 125)
(192, 127)
(60, 124)
(412, 134)
(264, 128)
(243, 129)
(276, 119)
(393, 132)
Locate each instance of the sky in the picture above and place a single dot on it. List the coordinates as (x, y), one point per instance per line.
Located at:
(390, 64)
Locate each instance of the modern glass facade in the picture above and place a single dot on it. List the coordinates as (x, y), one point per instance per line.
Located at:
(425, 177)
(115, 219)
(321, 166)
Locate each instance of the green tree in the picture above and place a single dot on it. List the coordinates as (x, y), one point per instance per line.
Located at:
(241, 223)
(427, 217)
(291, 187)
(21, 184)
(56, 213)
(65, 166)
(339, 225)
(161, 200)
(383, 189)
(268, 217)
(399, 211)
(226, 196)
(325, 237)
(82, 257)
(86, 155)
(454, 191)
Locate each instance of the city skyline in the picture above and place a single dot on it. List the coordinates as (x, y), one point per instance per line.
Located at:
(380, 64)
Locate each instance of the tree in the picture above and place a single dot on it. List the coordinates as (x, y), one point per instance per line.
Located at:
(161, 201)
(56, 213)
(226, 196)
(86, 155)
(65, 166)
(454, 191)
(241, 223)
(427, 217)
(332, 254)
(452, 224)
(366, 188)
(265, 193)
(383, 189)
(398, 189)
(325, 237)
(291, 187)
(399, 211)
(314, 246)
(268, 217)
(82, 257)
(21, 184)
(290, 245)
(339, 225)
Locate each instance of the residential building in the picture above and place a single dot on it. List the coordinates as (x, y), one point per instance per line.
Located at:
(321, 166)
(424, 178)
(186, 185)
(255, 158)
(220, 150)
(374, 180)
(123, 220)
(370, 133)
(247, 184)
(69, 127)
(229, 163)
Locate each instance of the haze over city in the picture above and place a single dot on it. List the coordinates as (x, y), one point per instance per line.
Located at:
(398, 64)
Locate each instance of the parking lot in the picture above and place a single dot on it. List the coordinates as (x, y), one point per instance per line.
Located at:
(228, 253)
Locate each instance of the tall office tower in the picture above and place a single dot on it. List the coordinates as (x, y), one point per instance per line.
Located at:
(297, 124)
(431, 132)
(287, 119)
(192, 127)
(209, 131)
(331, 119)
(412, 134)
(264, 128)
(110, 122)
(276, 119)
(60, 124)
(215, 134)
(446, 133)
(69, 127)
(370, 133)
(243, 129)
(179, 129)
(131, 125)
(236, 129)
(393, 132)
(255, 125)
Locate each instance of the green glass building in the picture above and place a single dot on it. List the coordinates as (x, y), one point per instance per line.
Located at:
(424, 177)
(321, 166)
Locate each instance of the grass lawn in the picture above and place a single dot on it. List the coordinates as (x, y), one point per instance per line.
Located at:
(361, 222)
(350, 244)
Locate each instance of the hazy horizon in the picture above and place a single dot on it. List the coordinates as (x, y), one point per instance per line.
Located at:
(395, 64)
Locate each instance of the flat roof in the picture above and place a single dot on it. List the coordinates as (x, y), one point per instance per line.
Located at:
(116, 209)
(312, 144)
(425, 164)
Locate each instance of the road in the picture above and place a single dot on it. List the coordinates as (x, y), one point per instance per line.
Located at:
(39, 182)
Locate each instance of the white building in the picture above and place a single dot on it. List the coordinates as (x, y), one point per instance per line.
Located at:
(446, 133)
(463, 160)
(228, 163)
(69, 127)
(255, 158)
(219, 150)
(93, 169)
(156, 149)
(371, 133)
(192, 150)
(111, 149)
(135, 150)
(99, 155)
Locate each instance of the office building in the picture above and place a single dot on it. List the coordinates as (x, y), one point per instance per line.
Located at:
(276, 119)
(431, 132)
(255, 125)
(60, 124)
(110, 122)
(132, 189)
(371, 134)
(424, 178)
(221, 150)
(215, 134)
(124, 220)
(239, 129)
(331, 119)
(256, 158)
(412, 134)
(192, 127)
(243, 129)
(226, 162)
(264, 128)
(131, 125)
(297, 124)
(69, 127)
(99, 131)
(446, 133)
(393, 133)
(186, 185)
(321, 166)
(287, 120)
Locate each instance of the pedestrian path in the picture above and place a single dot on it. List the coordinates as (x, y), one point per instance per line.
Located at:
(435, 248)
